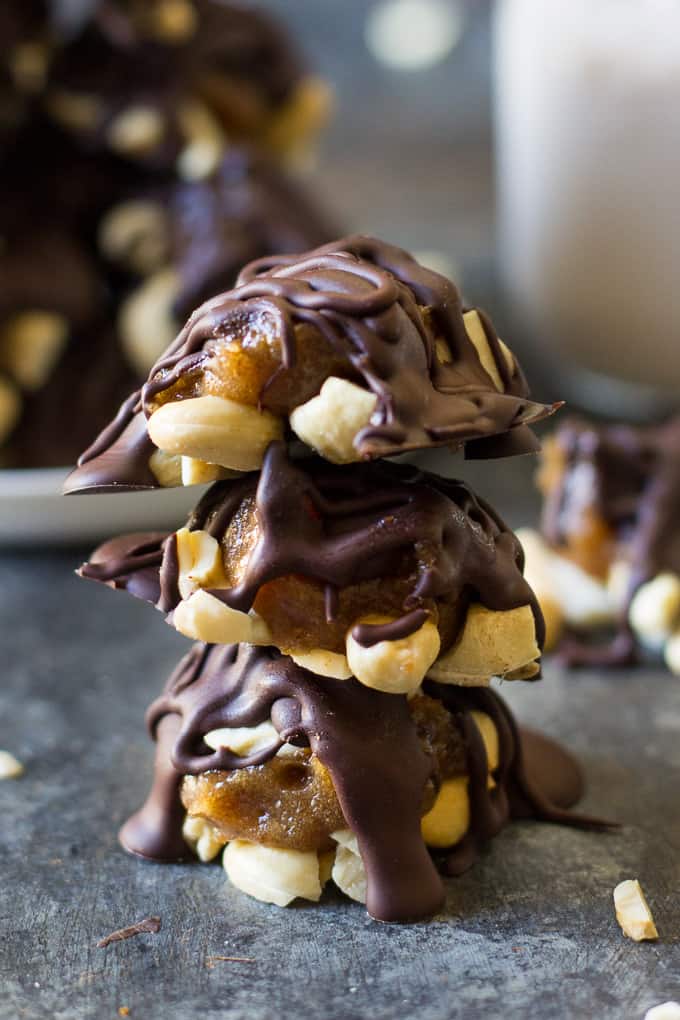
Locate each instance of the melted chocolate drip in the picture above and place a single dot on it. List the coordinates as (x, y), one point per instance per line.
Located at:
(632, 480)
(342, 525)
(366, 739)
(380, 311)
(519, 792)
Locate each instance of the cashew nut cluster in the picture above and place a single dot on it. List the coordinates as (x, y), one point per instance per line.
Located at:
(295, 557)
(289, 803)
(385, 359)
(335, 720)
(605, 560)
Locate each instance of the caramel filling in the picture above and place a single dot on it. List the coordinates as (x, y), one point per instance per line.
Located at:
(248, 368)
(290, 802)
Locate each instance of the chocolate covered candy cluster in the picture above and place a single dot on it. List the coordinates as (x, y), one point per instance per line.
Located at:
(142, 153)
(335, 719)
(606, 562)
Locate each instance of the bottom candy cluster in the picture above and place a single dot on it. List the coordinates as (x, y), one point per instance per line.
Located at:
(297, 779)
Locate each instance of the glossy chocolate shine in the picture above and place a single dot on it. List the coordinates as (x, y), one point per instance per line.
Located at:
(367, 740)
(382, 313)
(338, 526)
(631, 478)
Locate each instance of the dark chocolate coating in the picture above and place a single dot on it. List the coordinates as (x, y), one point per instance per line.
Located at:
(634, 479)
(339, 526)
(366, 739)
(367, 298)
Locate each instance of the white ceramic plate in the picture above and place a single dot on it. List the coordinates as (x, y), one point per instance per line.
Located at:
(33, 511)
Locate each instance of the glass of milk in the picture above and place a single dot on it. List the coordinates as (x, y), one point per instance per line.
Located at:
(588, 157)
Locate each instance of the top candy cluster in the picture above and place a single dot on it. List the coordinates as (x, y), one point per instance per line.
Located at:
(354, 349)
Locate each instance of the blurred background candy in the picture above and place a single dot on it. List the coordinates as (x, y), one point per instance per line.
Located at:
(142, 161)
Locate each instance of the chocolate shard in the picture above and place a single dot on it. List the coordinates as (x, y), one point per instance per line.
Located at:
(149, 926)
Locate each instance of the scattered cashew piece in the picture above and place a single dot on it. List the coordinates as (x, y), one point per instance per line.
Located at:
(135, 234)
(243, 740)
(166, 469)
(348, 871)
(632, 911)
(10, 767)
(205, 142)
(664, 1011)
(474, 327)
(203, 838)
(136, 131)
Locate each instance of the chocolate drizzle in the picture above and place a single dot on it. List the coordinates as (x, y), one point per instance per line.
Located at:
(382, 313)
(631, 478)
(340, 526)
(368, 742)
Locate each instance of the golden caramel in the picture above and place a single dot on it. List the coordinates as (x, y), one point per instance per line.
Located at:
(243, 365)
(239, 540)
(289, 802)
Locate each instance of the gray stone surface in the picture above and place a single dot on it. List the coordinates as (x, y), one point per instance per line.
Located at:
(529, 932)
